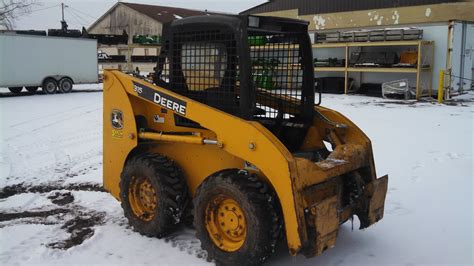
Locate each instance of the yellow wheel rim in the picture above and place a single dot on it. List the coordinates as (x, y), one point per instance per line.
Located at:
(142, 198)
(225, 223)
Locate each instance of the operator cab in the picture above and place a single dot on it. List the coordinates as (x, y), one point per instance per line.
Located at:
(256, 68)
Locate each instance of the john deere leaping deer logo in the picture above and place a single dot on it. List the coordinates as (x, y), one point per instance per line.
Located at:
(116, 118)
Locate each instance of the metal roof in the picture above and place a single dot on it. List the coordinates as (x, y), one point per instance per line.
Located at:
(164, 14)
(307, 7)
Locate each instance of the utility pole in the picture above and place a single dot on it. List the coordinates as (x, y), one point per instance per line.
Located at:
(63, 22)
(62, 10)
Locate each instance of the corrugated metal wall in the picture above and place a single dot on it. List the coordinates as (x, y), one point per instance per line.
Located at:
(306, 7)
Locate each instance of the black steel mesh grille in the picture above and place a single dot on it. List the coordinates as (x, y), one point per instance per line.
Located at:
(205, 68)
(277, 75)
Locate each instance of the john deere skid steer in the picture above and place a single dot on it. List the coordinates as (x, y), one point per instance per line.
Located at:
(228, 135)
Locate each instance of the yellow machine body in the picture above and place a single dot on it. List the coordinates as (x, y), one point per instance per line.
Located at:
(308, 192)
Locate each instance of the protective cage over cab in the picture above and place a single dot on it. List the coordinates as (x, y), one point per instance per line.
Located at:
(250, 67)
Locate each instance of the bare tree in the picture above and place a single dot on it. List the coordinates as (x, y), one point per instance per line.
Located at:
(10, 10)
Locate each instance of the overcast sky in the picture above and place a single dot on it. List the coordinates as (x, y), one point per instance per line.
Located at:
(47, 13)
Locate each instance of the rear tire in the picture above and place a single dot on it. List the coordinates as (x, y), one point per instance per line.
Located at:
(50, 86)
(65, 85)
(153, 194)
(15, 90)
(32, 90)
(237, 218)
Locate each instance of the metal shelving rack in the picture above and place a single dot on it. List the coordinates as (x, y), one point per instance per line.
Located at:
(129, 51)
(423, 70)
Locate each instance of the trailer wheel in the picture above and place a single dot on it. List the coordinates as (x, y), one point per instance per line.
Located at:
(153, 194)
(15, 90)
(50, 86)
(65, 85)
(32, 90)
(237, 218)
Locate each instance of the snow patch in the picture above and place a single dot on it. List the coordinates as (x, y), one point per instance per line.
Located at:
(330, 163)
(396, 17)
(379, 20)
(319, 21)
(428, 12)
(374, 16)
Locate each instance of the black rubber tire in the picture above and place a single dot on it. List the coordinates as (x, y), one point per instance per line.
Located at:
(188, 216)
(15, 90)
(50, 86)
(32, 90)
(65, 85)
(170, 186)
(262, 213)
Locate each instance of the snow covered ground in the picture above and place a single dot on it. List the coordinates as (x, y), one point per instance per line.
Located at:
(53, 210)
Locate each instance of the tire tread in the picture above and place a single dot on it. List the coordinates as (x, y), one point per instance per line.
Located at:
(173, 194)
(263, 199)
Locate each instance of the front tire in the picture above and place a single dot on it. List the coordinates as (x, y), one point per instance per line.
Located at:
(15, 90)
(65, 85)
(153, 194)
(237, 218)
(50, 86)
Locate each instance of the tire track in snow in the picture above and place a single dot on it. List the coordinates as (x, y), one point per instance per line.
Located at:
(51, 124)
(42, 94)
(43, 116)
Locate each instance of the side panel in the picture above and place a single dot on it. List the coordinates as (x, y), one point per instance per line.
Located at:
(27, 60)
(469, 56)
(462, 56)
(470, 52)
(120, 134)
(199, 161)
(457, 60)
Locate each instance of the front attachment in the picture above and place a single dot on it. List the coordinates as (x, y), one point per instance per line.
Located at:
(374, 201)
(330, 209)
(326, 223)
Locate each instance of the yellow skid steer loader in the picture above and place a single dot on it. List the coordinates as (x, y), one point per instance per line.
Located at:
(228, 133)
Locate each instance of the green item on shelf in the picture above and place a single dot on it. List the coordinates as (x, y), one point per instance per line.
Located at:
(146, 39)
(263, 78)
(264, 72)
(257, 40)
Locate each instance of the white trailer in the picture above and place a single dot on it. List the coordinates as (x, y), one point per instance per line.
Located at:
(53, 63)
